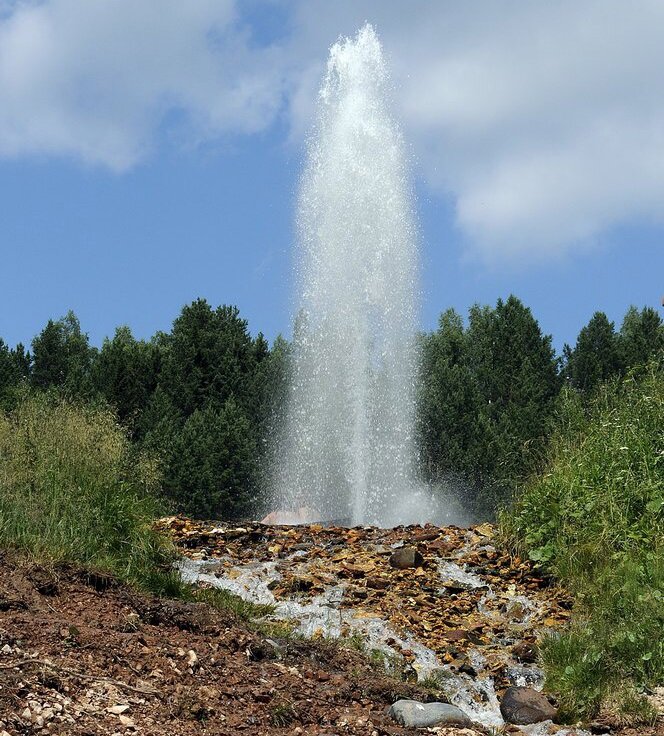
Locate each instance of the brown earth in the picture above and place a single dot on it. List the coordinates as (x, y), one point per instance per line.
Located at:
(82, 655)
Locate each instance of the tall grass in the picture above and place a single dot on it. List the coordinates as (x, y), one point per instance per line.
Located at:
(72, 488)
(596, 518)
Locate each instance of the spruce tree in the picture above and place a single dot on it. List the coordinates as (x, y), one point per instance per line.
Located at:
(595, 357)
(125, 373)
(62, 357)
(213, 471)
(450, 429)
(517, 376)
(641, 337)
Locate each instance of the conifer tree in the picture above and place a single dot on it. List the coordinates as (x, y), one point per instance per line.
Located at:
(125, 373)
(595, 357)
(214, 473)
(450, 426)
(641, 337)
(62, 357)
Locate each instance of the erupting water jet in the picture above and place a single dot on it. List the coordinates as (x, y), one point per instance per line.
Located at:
(348, 445)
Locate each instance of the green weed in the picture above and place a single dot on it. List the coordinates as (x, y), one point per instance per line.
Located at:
(595, 517)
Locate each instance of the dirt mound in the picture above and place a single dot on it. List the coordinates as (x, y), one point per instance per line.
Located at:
(83, 656)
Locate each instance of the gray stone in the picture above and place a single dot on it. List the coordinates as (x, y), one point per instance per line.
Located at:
(523, 705)
(405, 557)
(412, 714)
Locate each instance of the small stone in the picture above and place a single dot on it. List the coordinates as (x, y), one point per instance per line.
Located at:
(525, 652)
(523, 705)
(117, 709)
(412, 714)
(6, 649)
(406, 557)
(192, 658)
(27, 714)
(126, 721)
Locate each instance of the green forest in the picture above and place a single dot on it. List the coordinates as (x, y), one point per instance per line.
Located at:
(205, 397)
(566, 451)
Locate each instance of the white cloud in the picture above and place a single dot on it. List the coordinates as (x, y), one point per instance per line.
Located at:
(543, 121)
(94, 78)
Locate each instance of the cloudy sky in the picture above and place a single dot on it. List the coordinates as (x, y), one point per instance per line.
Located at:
(150, 152)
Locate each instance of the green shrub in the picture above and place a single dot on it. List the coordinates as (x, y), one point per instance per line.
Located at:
(595, 517)
(72, 488)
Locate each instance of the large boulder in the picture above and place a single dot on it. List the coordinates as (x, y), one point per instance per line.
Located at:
(523, 705)
(405, 557)
(413, 714)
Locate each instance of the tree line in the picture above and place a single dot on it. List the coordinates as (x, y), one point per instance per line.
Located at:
(206, 396)
(490, 388)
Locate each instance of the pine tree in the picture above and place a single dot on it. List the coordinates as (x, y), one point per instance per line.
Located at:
(62, 357)
(214, 475)
(595, 357)
(125, 373)
(641, 337)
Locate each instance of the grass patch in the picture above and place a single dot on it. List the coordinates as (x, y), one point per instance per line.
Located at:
(226, 601)
(72, 488)
(595, 517)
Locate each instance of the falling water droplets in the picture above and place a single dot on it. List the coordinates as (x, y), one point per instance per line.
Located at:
(348, 442)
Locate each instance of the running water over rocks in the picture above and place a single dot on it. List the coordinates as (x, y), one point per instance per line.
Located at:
(464, 617)
(347, 448)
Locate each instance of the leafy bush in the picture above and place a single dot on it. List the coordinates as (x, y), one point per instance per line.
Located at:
(596, 518)
(72, 488)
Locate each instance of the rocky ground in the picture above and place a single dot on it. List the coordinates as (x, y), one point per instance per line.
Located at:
(82, 655)
(438, 614)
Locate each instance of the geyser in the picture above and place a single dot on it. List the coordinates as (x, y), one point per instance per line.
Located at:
(347, 449)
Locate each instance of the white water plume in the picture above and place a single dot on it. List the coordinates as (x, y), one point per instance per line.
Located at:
(348, 447)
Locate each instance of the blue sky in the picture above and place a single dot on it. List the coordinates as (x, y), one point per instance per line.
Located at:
(149, 157)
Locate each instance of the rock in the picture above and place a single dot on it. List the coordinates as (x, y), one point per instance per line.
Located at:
(303, 515)
(412, 714)
(117, 709)
(405, 557)
(378, 583)
(523, 705)
(525, 652)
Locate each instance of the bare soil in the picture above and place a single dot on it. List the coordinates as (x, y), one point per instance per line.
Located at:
(82, 655)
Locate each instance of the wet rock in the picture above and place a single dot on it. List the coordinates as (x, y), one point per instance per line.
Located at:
(524, 675)
(525, 652)
(523, 705)
(406, 557)
(378, 583)
(412, 714)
